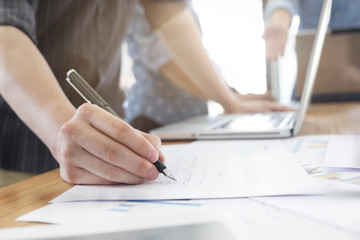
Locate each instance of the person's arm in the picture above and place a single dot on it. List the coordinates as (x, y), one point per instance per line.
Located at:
(150, 50)
(182, 37)
(278, 18)
(172, 71)
(276, 34)
(88, 151)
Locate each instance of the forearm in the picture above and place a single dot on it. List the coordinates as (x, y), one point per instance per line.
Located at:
(172, 71)
(183, 39)
(151, 47)
(30, 88)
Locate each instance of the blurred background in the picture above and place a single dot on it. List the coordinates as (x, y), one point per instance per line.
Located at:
(232, 31)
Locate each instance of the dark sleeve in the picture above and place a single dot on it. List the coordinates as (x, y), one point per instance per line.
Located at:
(20, 14)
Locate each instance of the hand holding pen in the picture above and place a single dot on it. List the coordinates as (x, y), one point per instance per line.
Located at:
(103, 149)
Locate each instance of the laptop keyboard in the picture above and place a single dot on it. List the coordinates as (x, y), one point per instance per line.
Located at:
(267, 120)
(276, 119)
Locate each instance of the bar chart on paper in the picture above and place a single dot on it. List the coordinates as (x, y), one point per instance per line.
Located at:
(347, 177)
(132, 204)
(311, 152)
(111, 211)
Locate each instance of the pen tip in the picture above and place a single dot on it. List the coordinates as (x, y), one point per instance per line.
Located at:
(169, 175)
(173, 178)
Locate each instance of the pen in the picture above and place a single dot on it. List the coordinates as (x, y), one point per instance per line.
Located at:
(91, 96)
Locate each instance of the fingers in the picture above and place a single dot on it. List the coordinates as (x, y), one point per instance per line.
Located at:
(97, 148)
(156, 142)
(276, 107)
(250, 96)
(84, 168)
(81, 176)
(261, 106)
(109, 151)
(119, 130)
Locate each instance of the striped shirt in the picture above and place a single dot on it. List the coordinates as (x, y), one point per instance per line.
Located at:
(82, 34)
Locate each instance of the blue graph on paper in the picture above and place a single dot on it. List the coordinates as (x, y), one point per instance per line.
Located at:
(131, 204)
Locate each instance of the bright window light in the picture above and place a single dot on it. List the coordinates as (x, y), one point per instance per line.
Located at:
(232, 31)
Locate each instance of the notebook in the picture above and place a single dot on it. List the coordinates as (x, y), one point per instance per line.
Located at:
(254, 125)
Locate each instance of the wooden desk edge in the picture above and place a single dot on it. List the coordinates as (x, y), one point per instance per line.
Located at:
(25, 196)
(30, 194)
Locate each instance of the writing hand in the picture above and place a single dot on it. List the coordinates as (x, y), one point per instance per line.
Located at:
(96, 147)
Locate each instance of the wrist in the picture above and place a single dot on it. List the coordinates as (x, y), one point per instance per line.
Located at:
(55, 139)
(229, 103)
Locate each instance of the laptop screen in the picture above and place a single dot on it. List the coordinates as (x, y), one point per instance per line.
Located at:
(313, 64)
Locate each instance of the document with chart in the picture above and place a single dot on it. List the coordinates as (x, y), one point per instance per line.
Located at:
(213, 169)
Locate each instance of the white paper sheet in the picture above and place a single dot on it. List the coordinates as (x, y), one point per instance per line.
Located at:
(213, 169)
(340, 207)
(343, 151)
(308, 217)
(119, 211)
(198, 225)
(308, 151)
(252, 215)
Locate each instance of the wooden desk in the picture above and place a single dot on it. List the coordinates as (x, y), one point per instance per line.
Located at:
(33, 193)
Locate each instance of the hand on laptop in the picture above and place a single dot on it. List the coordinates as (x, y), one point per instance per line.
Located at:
(250, 96)
(258, 106)
(257, 103)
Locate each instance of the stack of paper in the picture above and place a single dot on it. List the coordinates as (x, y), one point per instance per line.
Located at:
(218, 176)
(204, 170)
(224, 169)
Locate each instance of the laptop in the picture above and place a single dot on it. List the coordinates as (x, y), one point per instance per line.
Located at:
(254, 125)
(338, 75)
